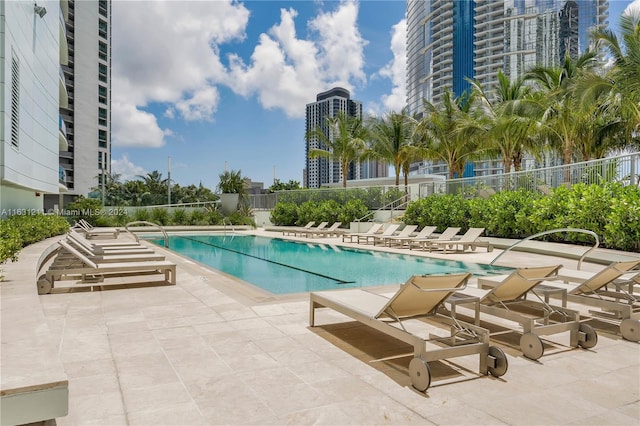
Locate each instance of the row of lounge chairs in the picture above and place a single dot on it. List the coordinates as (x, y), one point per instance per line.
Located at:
(521, 297)
(319, 231)
(90, 263)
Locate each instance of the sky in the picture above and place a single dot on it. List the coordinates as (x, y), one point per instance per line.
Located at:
(208, 86)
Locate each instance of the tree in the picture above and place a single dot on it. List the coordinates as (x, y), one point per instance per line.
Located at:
(344, 141)
(282, 186)
(232, 182)
(449, 133)
(391, 139)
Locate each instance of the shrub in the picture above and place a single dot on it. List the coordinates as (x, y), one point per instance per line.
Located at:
(507, 214)
(160, 215)
(141, 215)
(20, 231)
(85, 208)
(285, 214)
(622, 229)
(352, 210)
(179, 217)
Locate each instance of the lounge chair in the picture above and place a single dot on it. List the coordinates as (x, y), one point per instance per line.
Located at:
(375, 227)
(506, 298)
(619, 306)
(88, 273)
(391, 229)
(294, 230)
(111, 256)
(91, 231)
(98, 246)
(420, 297)
(466, 241)
(328, 232)
(400, 241)
(302, 232)
(446, 235)
(404, 232)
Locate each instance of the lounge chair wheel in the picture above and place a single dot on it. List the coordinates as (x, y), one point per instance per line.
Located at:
(531, 346)
(500, 362)
(420, 374)
(630, 329)
(590, 338)
(44, 285)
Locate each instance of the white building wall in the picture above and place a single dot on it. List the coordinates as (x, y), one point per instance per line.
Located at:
(86, 97)
(32, 166)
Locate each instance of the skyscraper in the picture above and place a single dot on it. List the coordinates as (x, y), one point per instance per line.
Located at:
(87, 117)
(32, 90)
(321, 171)
(449, 41)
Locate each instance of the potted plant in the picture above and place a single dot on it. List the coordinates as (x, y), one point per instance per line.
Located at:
(232, 186)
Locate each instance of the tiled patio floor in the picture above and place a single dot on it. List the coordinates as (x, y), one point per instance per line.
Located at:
(212, 351)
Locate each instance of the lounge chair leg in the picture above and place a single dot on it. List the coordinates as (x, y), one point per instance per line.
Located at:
(531, 346)
(420, 374)
(588, 336)
(630, 329)
(44, 285)
(498, 363)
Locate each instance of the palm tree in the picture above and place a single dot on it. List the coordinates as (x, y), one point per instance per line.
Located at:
(563, 114)
(449, 133)
(508, 118)
(343, 141)
(391, 138)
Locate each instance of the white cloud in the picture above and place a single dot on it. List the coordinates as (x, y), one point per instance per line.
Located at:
(134, 127)
(126, 169)
(166, 52)
(396, 69)
(634, 7)
(287, 72)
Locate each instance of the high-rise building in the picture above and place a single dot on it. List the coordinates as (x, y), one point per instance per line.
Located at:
(322, 171)
(451, 40)
(32, 88)
(87, 117)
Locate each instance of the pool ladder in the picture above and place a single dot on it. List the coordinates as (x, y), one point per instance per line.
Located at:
(144, 222)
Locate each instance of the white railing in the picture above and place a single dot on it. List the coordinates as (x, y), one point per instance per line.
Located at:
(622, 168)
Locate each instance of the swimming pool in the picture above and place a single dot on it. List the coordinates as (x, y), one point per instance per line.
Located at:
(283, 266)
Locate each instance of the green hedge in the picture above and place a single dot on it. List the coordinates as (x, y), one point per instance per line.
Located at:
(612, 211)
(289, 213)
(21, 230)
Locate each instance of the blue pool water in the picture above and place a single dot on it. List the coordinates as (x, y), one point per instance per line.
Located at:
(283, 266)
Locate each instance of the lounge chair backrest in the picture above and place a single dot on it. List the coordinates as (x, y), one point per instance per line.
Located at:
(80, 239)
(391, 229)
(321, 226)
(448, 234)
(407, 230)
(426, 231)
(79, 246)
(334, 226)
(605, 276)
(77, 254)
(420, 295)
(374, 229)
(519, 282)
(472, 234)
(309, 225)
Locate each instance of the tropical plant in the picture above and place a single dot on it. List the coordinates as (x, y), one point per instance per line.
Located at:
(232, 182)
(341, 139)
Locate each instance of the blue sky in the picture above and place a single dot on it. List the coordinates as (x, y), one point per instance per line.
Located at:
(219, 83)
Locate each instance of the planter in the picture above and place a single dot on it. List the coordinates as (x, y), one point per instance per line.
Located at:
(229, 203)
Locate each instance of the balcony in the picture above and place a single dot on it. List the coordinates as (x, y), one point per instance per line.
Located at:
(64, 47)
(62, 180)
(62, 89)
(63, 145)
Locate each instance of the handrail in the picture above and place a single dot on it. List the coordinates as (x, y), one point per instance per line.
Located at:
(404, 200)
(224, 220)
(553, 231)
(144, 222)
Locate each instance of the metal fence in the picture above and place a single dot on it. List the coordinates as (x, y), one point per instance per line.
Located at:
(374, 197)
(622, 168)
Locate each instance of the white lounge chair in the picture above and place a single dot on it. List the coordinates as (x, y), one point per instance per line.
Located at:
(446, 235)
(618, 306)
(404, 232)
(328, 232)
(506, 298)
(423, 234)
(91, 231)
(89, 273)
(374, 229)
(468, 240)
(391, 229)
(302, 232)
(294, 230)
(420, 297)
(112, 256)
(98, 247)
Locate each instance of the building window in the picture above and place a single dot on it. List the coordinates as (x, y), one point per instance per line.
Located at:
(102, 98)
(103, 50)
(102, 73)
(103, 28)
(15, 101)
(102, 138)
(102, 116)
(103, 8)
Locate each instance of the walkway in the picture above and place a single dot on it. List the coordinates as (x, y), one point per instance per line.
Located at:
(211, 350)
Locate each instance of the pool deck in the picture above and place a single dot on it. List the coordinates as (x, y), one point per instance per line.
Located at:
(212, 351)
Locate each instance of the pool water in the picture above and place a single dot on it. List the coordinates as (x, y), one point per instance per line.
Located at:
(282, 266)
